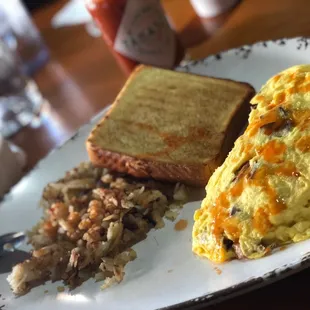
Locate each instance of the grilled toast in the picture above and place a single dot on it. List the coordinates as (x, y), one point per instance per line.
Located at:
(170, 125)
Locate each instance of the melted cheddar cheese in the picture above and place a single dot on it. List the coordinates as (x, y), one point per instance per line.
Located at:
(260, 197)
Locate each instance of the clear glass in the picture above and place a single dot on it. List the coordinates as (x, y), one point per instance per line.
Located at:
(29, 44)
(20, 99)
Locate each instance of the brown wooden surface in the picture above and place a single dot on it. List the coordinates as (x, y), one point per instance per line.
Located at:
(83, 78)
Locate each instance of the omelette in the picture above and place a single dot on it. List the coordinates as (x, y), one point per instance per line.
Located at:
(260, 197)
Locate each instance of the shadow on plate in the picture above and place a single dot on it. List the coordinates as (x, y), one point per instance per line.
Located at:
(9, 260)
(196, 194)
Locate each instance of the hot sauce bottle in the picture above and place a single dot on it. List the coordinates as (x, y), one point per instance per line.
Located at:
(137, 31)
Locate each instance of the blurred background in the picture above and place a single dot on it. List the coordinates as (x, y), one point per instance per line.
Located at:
(57, 71)
(32, 5)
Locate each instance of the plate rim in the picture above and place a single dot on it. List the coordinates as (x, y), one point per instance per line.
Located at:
(247, 286)
(244, 51)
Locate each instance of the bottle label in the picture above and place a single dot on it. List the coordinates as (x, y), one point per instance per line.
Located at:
(144, 34)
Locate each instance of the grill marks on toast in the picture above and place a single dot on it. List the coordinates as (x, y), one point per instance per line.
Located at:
(177, 126)
(174, 141)
(171, 141)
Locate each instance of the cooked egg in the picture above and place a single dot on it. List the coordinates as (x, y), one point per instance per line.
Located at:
(260, 197)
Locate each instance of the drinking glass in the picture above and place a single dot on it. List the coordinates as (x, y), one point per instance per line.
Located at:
(29, 44)
(20, 99)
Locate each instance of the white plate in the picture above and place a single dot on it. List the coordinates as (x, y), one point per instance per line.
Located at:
(166, 273)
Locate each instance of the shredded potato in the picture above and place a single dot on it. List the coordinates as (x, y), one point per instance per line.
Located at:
(91, 219)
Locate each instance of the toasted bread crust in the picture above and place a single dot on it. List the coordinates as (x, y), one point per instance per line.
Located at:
(196, 174)
(236, 124)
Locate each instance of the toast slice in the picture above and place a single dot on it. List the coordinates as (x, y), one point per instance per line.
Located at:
(170, 125)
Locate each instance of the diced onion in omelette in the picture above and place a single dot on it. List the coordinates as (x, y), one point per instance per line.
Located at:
(260, 197)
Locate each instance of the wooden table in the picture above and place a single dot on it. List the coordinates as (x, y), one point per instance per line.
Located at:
(83, 78)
